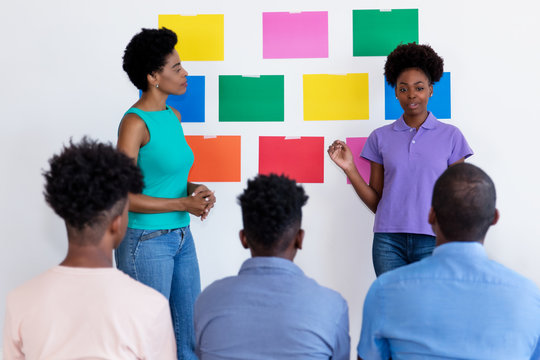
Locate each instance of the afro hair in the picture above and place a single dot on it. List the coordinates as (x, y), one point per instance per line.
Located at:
(271, 204)
(88, 179)
(146, 54)
(413, 55)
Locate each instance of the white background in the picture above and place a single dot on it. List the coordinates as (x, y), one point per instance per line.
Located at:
(62, 77)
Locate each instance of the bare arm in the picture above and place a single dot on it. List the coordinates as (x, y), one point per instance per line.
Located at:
(370, 193)
(132, 136)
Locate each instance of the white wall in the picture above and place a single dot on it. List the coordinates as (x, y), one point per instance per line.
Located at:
(62, 77)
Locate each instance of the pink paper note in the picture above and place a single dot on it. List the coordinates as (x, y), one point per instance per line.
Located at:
(356, 144)
(295, 35)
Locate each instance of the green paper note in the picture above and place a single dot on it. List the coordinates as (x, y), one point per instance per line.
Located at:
(251, 98)
(378, 32)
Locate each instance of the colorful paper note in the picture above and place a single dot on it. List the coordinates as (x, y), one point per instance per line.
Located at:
(200, 37)
(301, 159)
(439, 103)
(336, 97)
(356, 144)
(251, 98)
(295, 35)
(191, 104)
(217, 158)
(378, 32)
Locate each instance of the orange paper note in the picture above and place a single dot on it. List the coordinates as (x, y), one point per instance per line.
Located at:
(217, 159)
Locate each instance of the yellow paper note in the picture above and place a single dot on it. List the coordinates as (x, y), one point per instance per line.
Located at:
(336, 97)
(200, 37)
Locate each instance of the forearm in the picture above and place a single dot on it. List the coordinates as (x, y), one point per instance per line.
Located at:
(367, 194)
(152, 205)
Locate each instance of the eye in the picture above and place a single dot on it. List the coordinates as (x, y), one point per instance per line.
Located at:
(402, 90)
(419, 88)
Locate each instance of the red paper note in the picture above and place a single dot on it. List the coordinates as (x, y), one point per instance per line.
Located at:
(301, 159)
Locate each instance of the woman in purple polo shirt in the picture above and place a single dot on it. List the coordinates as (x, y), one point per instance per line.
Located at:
(406, 159)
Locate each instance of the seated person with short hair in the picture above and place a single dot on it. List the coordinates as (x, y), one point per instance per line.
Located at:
(271, 310)
(455, 304)
(84, 308)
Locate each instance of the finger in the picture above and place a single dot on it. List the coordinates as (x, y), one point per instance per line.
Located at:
(204, 193)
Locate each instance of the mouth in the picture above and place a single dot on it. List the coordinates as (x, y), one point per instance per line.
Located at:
(412, 105)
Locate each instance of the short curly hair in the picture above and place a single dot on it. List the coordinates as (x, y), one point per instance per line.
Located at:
(88, 179)
(464, 202)
(413, 55)
(146, 53)
(271, 204)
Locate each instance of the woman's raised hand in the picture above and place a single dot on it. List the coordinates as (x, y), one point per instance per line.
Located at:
(341, 154)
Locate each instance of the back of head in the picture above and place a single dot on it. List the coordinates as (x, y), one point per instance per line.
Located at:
(271, 208)
(464, 203)
(88, 183)
(146, 53)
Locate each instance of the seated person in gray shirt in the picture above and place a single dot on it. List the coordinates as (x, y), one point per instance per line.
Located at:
(271, 310)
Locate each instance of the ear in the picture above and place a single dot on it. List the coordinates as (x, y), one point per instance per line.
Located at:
(299, 240)
(431, 90)
(115, 227)
(152, 79)
(243, 239)
(432, 218)
(495, 217)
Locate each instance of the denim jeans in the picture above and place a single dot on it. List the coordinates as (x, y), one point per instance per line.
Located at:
(166, 260)
(392, 250)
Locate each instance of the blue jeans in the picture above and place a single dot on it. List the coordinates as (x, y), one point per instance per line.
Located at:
(166, 260)
(392, 250)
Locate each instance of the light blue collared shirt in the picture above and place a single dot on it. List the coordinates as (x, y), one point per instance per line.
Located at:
(456, 304)
(271, 310)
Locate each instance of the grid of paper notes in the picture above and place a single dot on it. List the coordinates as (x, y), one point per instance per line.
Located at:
(259, 98)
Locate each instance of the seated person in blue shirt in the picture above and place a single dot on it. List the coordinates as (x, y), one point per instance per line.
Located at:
(271, 310)
(456, 304)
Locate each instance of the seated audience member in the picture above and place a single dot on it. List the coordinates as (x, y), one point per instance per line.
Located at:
(456, 304)
(84, 308)
(271, 310)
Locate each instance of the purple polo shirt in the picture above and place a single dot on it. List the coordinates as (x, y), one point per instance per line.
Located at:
(413, 160)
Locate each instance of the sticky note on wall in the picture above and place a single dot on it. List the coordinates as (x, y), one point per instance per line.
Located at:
(217, 159)
(191, 104)
(301, 159)
(336, 97)
(356, 144)
(200, 37)
(378, 32)
(251, 98)
(439, 104)
(295, 35)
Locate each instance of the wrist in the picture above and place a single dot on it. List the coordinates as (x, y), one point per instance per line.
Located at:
(181, 204)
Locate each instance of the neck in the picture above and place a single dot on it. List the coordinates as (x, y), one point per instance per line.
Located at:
(152, 100)
(88, 256)
(415, 121)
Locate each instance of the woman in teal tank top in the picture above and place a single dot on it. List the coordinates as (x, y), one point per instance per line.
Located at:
(158, 248)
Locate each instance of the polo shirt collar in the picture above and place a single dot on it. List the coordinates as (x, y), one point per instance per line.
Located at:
(430, 123)
(263, 264)
(460, 248)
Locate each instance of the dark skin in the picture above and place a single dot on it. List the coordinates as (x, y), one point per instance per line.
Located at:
(293, 237)
(93, 248)
(413, 91)
(133, 135)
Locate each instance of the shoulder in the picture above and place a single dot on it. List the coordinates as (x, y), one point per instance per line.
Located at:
(139, 292)
(328, 297)
(132, 122)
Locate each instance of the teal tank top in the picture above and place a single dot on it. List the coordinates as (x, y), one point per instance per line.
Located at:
(165, 162)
